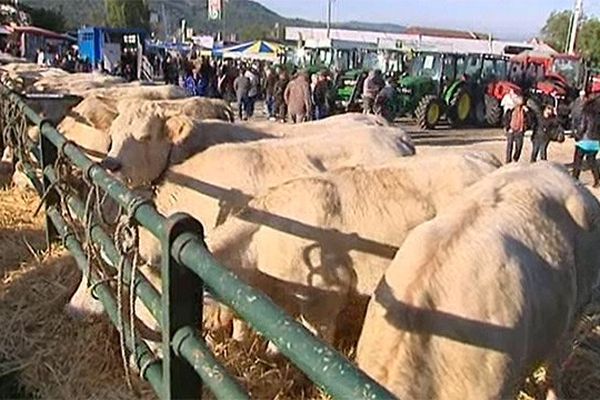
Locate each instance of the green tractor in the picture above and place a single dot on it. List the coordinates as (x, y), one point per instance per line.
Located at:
(348, 60)
(434, 88)
(487, 82)
(388, 58)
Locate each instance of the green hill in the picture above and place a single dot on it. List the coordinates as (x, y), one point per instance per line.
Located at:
(246, 18)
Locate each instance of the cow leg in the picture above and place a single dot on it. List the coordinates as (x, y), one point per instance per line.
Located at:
(320, 313)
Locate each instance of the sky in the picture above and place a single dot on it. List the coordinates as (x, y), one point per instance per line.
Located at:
(510, 19)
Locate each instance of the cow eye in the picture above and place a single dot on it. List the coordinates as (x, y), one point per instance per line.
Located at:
(145, 139)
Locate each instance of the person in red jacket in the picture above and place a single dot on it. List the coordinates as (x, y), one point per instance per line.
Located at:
(515, 131)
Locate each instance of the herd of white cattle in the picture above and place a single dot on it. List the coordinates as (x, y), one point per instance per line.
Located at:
(474, 273)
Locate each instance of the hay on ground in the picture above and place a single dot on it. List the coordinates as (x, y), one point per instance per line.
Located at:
(53, 356)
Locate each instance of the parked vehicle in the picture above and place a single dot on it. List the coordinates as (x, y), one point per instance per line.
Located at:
(549, 79)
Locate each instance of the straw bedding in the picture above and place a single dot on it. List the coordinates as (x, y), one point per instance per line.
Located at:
(48, 355)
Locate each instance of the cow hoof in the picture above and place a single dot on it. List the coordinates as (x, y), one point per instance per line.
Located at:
(272, 350)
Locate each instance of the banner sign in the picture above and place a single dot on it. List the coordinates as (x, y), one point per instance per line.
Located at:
(215, 9)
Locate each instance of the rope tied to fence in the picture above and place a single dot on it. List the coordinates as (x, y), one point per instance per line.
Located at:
(126, 238)
(62, 169)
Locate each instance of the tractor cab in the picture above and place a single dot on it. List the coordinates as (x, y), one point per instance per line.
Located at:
(550, 79)
(569, 68)
(484, 68)
(391, 57)
(350, 62)
(486, 76)
(435, 87)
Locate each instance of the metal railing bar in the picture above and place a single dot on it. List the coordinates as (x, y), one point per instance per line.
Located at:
(150, 366)
(146, 292)
(194, 350)
(319, 361)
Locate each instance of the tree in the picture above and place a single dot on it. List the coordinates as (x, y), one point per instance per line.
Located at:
(127, 14)
(556, 30)
(588, 40)
(48, 19)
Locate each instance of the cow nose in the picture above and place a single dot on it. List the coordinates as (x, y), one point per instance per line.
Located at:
(111, 164)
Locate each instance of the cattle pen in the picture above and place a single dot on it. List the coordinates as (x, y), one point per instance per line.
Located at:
(105, 252)
(187, 267)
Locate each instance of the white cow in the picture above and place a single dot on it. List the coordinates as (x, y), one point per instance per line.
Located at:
(321, 243)
(486, 292)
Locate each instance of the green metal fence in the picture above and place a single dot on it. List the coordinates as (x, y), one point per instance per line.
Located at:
(187, 267)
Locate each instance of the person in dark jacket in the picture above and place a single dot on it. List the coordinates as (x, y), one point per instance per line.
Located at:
(279, 94)
(588, 141)
(170, 71)
(321, 96)
(386, 102)
(548, 129)
(270, 82)
(577, 112)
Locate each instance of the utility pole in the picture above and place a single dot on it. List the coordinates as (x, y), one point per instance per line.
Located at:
(329, 2)
(165, 22)
(577, 14)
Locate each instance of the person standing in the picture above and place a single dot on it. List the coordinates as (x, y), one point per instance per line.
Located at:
(387, 101)
(321, 96)
(548, 129)
(515, 131)
(371, 88)
(170, 71)
(297, 98)
(577, 111)
(41, 57)
(588, 142)
(252, 76)
(189, 83)
(270, 82)
(279, 95)
(241, 85)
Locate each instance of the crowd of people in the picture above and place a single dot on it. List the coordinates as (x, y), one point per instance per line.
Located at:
(546, 128)
(288, 95)
(67, 59)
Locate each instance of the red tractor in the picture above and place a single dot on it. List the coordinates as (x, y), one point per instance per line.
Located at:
(486, 79)
(549, 79)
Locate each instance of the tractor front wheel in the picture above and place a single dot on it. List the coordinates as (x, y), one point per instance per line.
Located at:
(459, 108)
(428, 112)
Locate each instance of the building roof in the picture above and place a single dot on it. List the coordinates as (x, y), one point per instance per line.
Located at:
(446, 33)
(408, 41)
(34, 30)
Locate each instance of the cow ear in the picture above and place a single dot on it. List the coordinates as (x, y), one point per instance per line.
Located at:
(579, 211)
(178, 129)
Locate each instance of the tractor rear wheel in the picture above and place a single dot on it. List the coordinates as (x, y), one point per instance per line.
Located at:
(428, 112)
(459, 108)
(493, 111)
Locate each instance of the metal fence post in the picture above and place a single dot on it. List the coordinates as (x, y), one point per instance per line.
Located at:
(182, 306)
(49, 154)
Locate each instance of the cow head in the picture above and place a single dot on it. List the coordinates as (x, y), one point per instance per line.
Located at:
(142, 142)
